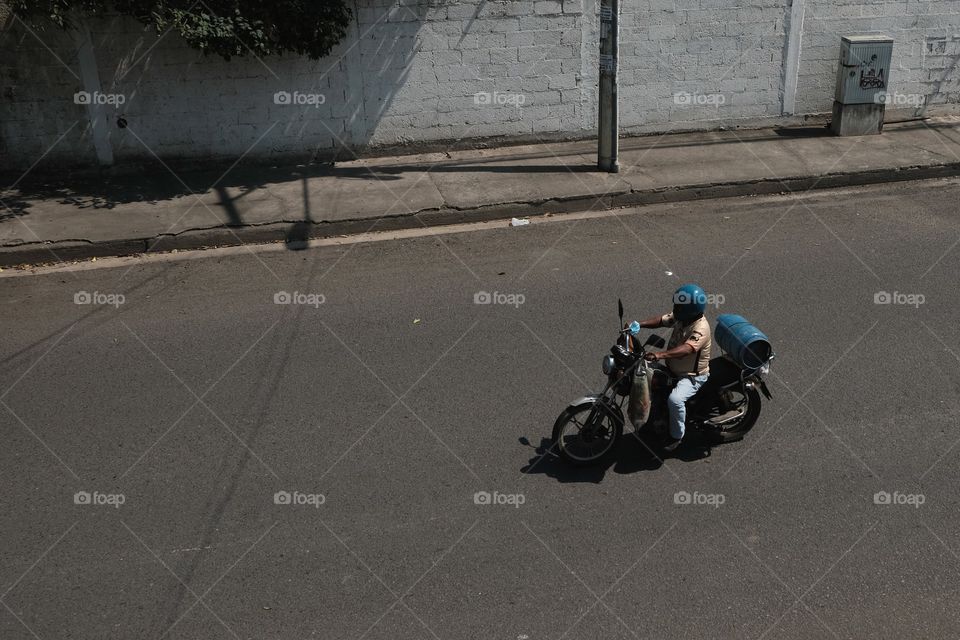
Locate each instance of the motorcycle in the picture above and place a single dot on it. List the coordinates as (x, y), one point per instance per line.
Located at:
(723, 410)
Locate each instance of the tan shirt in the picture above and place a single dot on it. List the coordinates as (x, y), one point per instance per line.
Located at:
(697, 334)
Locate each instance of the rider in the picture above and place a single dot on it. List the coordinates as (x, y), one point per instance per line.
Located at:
(687, 355)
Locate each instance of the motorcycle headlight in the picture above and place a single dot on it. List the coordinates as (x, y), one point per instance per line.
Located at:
(608, 366)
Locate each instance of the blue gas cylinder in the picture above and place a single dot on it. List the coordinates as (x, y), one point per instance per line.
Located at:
(744, 343)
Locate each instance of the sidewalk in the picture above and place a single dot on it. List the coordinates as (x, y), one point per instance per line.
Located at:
(46, 222)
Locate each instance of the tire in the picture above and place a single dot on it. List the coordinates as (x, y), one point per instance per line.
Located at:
(741, 428)
(578, 451)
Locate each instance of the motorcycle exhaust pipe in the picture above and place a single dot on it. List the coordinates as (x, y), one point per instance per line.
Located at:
(724, 419)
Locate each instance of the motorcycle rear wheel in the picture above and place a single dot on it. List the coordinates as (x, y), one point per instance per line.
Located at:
(581, 443)
(737, 430)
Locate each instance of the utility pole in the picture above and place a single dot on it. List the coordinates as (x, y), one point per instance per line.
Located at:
(608, 126)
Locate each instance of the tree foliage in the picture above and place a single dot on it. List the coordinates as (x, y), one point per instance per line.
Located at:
(223, 27)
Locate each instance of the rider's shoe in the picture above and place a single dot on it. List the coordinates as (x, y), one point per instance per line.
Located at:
(671, 444)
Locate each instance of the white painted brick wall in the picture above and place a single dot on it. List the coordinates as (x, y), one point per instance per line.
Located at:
(926, 50)
(411, 73)
(37, 111)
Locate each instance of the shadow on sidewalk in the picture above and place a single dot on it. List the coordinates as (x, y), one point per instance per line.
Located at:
(108, 192)
(229, 185)
(105, 192)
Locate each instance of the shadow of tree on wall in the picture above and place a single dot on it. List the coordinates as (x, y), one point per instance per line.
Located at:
(382, 49)
(232, 108)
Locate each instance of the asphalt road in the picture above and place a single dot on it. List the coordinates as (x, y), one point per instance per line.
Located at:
(387, 400)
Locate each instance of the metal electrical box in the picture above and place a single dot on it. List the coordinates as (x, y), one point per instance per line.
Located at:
(864, 71)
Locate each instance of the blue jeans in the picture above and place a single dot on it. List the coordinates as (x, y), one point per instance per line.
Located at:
(676, 403)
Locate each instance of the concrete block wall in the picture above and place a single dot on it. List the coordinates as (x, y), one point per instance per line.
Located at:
(180, 103)
(37, 111)
(706, 60)
(424, 71)
(926, 51)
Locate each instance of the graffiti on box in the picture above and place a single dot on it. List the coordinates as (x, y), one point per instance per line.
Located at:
(872, 77)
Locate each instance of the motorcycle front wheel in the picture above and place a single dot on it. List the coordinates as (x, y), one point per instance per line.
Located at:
(586, 433)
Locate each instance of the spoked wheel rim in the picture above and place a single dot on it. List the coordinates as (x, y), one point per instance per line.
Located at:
(583, 441)
(741, 402)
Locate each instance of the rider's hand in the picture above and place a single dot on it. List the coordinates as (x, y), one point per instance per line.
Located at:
(650, 356)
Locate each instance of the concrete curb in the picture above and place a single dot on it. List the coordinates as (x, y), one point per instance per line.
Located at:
(280, 231)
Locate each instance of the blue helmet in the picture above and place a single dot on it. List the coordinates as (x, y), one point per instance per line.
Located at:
(689, 301)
